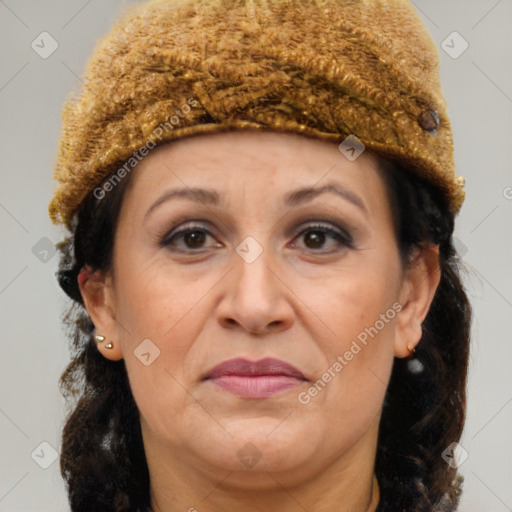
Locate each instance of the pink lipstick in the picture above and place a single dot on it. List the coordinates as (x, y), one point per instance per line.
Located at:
(255, 379)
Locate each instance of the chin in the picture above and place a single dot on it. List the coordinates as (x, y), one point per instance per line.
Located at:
(259, 446)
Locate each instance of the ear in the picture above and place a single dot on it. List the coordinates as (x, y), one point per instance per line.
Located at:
(97, 293)
(416, 294)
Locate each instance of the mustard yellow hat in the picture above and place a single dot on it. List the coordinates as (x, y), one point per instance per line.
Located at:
(367, 69)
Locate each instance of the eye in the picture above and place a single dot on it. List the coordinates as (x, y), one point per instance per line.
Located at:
(193, 237)
(316, 235)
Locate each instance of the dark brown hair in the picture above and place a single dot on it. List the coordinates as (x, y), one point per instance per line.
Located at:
(102, 454)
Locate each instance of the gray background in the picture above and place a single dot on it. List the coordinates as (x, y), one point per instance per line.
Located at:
(478, 88)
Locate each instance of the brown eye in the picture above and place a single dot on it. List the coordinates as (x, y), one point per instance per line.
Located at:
(314, 239)
(316, 236)
(192, 238)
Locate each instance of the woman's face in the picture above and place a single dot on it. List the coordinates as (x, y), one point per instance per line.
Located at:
(254, 266)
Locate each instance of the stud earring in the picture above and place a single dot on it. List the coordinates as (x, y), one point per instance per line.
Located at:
(98, 339)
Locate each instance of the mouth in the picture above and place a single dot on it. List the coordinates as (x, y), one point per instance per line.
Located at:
(255, 379)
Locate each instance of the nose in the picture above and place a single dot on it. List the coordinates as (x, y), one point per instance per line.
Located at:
(257, 299)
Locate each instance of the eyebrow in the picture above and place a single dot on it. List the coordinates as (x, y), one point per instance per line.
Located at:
(292, 199)
(198, 195)
(305, 194)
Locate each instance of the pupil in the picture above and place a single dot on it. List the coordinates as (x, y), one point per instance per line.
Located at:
(316, 237)
(195, 237)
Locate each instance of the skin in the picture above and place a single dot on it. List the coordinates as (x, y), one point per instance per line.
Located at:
(303, 300)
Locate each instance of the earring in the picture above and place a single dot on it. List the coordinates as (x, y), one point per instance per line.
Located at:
(98, 338)
(411, 351)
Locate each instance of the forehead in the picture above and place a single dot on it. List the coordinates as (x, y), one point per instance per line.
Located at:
(242, 164)
(276, 155)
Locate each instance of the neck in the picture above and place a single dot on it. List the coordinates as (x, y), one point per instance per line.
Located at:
(347, 484)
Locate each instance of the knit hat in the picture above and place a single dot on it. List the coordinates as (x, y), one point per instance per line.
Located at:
(358, 72)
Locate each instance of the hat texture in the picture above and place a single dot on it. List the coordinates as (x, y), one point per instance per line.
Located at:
(324, 68)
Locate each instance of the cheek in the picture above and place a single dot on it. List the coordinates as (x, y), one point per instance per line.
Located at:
(151, 299)
(164, 307)
(168, 306)
(360, 312)
(351, 301)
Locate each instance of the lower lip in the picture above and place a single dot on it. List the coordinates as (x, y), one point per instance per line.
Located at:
(260, 386)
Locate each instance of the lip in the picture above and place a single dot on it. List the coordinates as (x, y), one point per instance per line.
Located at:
(255, 379)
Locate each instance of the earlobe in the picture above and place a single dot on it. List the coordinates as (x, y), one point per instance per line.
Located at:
(95, 287)
(109, 349)
(416, 295)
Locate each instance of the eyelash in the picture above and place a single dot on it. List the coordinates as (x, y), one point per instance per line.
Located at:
(341, 237)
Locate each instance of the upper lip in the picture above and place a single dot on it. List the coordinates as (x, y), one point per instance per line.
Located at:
(245, 367)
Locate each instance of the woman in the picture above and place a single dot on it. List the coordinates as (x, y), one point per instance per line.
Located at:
(267, 305)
